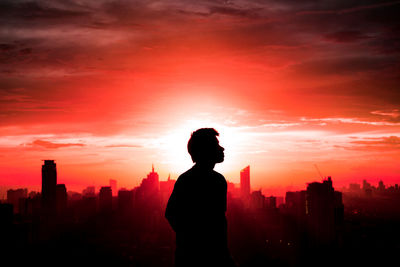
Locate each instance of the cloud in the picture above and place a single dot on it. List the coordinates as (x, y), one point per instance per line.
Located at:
(7, 47)
(346, 36)
(351, 121)
(391, 140)
(231, 11)
(124, 146)
(341, 9)
(51, 145)
(55, 49)
(389, 115)
(343, 65)
(40, 10)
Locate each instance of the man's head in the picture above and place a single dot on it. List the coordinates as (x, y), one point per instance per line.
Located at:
(203, 146)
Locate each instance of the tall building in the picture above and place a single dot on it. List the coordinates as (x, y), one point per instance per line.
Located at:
(49, 184)
(245, 182)
(151, 184)
(148, 193)
(324, 209)
(113, 185)
(105, 198)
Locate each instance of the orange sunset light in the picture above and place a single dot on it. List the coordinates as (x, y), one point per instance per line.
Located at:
(108, 88)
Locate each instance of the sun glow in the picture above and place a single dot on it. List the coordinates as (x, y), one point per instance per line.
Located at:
(173, 145)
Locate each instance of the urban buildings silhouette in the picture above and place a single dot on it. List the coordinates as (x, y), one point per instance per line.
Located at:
(105, 198)
(128, 227)
(14, 196)
(319, 210)
(61, 199)
(113, 185)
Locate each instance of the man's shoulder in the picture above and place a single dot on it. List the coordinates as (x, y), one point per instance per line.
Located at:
(184, 177)
(220, 178)
(217, 174)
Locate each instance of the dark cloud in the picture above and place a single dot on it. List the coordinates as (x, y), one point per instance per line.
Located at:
(349, 21)
(269, 23)
(344, 65)
(13, 52)
(7, 47)
(346, 36)
(226, 10)
(38, 10)
(51, 46)
(51, 145)
(25, 51)
(342, 6)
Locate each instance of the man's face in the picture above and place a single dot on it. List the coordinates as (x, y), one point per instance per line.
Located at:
(218, 152)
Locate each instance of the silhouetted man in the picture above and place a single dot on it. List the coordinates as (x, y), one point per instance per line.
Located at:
(197, 206)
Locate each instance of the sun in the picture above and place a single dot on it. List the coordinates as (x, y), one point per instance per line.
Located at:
(173, 145)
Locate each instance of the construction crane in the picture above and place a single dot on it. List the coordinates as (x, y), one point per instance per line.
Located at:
(316, 167)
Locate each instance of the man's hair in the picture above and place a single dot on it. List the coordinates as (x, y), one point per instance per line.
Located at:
(200, 141)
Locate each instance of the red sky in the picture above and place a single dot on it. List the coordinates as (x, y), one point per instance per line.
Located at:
(106, 88)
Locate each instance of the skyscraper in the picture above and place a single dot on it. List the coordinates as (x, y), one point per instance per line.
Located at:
(152, 181)
(324, 209)
(245, 182)
(49, 184)
(149, 190)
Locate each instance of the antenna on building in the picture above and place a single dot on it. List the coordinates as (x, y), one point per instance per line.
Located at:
(152, 167)
(169, 176)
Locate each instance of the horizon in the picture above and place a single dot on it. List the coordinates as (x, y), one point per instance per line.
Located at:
(268, 191)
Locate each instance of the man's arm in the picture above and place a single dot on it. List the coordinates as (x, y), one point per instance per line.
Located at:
(224, 188)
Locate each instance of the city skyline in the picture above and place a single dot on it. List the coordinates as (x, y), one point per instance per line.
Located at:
(244, 185)
(305, 227)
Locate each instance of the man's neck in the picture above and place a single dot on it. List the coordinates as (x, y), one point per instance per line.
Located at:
(204, 166)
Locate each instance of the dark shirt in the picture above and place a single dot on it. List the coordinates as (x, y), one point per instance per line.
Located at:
(196, 212)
